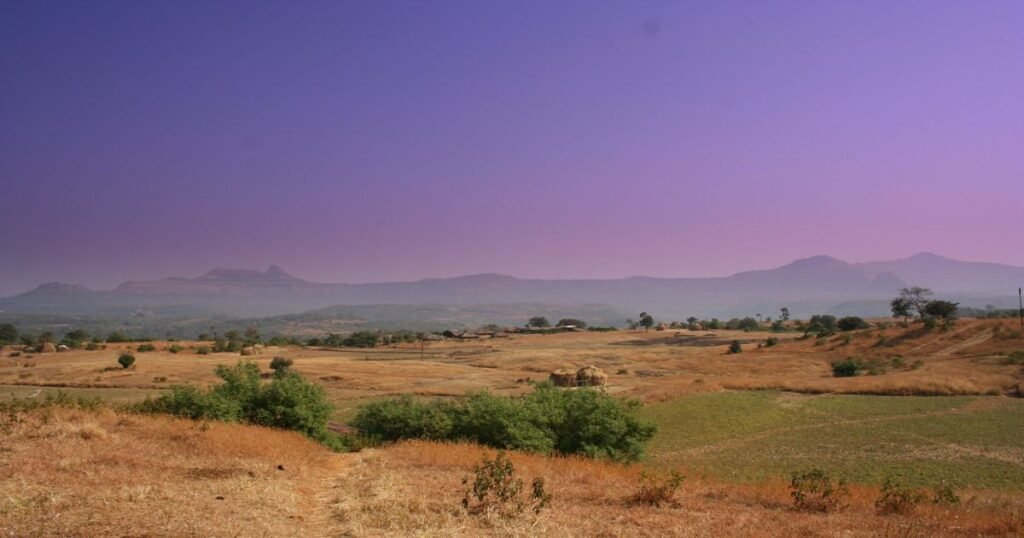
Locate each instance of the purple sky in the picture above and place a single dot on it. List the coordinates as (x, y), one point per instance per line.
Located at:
(360, 141)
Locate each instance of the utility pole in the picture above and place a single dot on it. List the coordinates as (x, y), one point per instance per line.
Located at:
(1020, 303)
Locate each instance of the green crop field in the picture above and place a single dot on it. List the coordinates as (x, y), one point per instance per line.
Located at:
(751, 436)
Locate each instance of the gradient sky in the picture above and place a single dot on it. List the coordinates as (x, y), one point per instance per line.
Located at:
(373, 140)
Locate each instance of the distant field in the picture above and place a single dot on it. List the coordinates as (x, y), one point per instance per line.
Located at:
(754, 436)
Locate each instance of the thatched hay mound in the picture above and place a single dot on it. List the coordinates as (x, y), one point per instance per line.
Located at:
(248, 351)
(591, 376)
(563, 377)
(48, 348)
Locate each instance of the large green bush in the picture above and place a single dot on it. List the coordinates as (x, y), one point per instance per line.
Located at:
(548, 420)
(288, 402)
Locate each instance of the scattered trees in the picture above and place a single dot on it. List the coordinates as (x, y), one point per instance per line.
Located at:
(538, 322)
(917, 300)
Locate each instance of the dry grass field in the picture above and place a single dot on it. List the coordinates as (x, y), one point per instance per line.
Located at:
(67, 472)
(73, 472)
(651, 366)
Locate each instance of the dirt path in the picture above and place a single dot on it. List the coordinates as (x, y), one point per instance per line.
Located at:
(970, 342)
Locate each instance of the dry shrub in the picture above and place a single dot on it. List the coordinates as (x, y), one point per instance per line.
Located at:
(657, 489)
(814, 491)
(897, 498)
(496, 488)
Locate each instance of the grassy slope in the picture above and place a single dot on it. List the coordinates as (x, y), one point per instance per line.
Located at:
(752, 436)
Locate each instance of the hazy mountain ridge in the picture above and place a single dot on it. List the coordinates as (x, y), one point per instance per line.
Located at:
(814, 284)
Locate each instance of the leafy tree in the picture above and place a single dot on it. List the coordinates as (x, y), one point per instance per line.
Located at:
(77, 335)
(45, 338)
(361, 339)
(821, 324)
(116, 337)
(944, 310)
(126, 360)
(646, 321)
(8, 334)
(735, 347)
(566, 322)
(252, 336)
(784, 314)
(631, 324)
(900, 307)
(852, 323)
(281, 365)
(539, 322)
(917, 298)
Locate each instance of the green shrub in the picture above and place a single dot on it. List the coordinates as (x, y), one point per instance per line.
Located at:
(126, 360)
(203, 350)
(735, 347)
(496, 487)
(851, 323)
(281, 365)
(814, 491)
(145, 347)
(945, 495)
(897, 498)
(656, 490)
(175, 348)
(846, 368)
(92, 346)
(771, 341)
(585, 421)
(287, 402)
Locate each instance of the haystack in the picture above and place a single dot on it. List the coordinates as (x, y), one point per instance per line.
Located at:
(591, 376)
(48, 348)
(258, 349)
(248, 350)
(563, 377)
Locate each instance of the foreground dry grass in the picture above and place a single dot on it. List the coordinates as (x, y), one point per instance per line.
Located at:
(80, 473)
(70, 472)
(414, 489)
(653, 366)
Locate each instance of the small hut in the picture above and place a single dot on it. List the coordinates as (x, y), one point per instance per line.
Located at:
(591, 376)
(563, 377)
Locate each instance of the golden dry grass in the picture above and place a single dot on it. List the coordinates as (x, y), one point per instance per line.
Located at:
(76, 473)
(82, 473)
(414, 488)
(650, 366)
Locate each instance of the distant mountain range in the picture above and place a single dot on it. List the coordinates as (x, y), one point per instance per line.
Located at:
(810, 285)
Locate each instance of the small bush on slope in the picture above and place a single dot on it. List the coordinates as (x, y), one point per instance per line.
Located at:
(548, 420)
